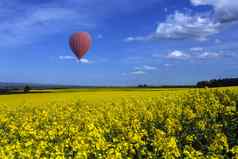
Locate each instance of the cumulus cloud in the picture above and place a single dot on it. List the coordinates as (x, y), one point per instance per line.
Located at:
(225, 10)
(179, 55)
(194, 26)
(182, 26)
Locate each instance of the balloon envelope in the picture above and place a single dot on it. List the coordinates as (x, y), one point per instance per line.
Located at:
(80, 43)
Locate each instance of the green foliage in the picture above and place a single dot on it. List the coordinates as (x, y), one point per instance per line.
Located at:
(199, 124)
(27, 89)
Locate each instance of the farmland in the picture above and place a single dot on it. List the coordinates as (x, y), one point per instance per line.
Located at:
(120, 123)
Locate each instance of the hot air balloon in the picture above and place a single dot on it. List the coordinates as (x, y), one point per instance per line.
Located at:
(80, 43)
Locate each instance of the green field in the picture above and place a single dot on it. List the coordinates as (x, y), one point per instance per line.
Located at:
(120, 123)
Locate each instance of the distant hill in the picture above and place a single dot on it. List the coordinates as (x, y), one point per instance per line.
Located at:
(4, 85)
(20, 86)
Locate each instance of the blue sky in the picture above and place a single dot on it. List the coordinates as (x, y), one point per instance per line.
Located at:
(157, 42)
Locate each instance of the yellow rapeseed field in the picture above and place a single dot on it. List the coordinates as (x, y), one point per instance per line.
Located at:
(120, 123)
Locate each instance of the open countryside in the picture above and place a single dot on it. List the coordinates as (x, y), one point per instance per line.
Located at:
(120, 123)
(118, 79)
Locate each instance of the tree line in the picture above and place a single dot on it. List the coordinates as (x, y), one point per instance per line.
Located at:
(225, 82)
(25, 89)
(218, 83)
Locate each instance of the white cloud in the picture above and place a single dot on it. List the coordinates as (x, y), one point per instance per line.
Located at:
(179, 55)
(209, 55)
(199, 54)
(85, 61)
(67, 58)
(129, 39)
(182, 26)
(199, 26)
(225, 10)
(200, 2)
(139, 38)
(138, 72)
(147, 67)
(143, 69)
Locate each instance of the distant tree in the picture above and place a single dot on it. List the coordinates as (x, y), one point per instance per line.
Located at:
(27, 89)
(218, 83)
(142, 86)
(203, 84)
